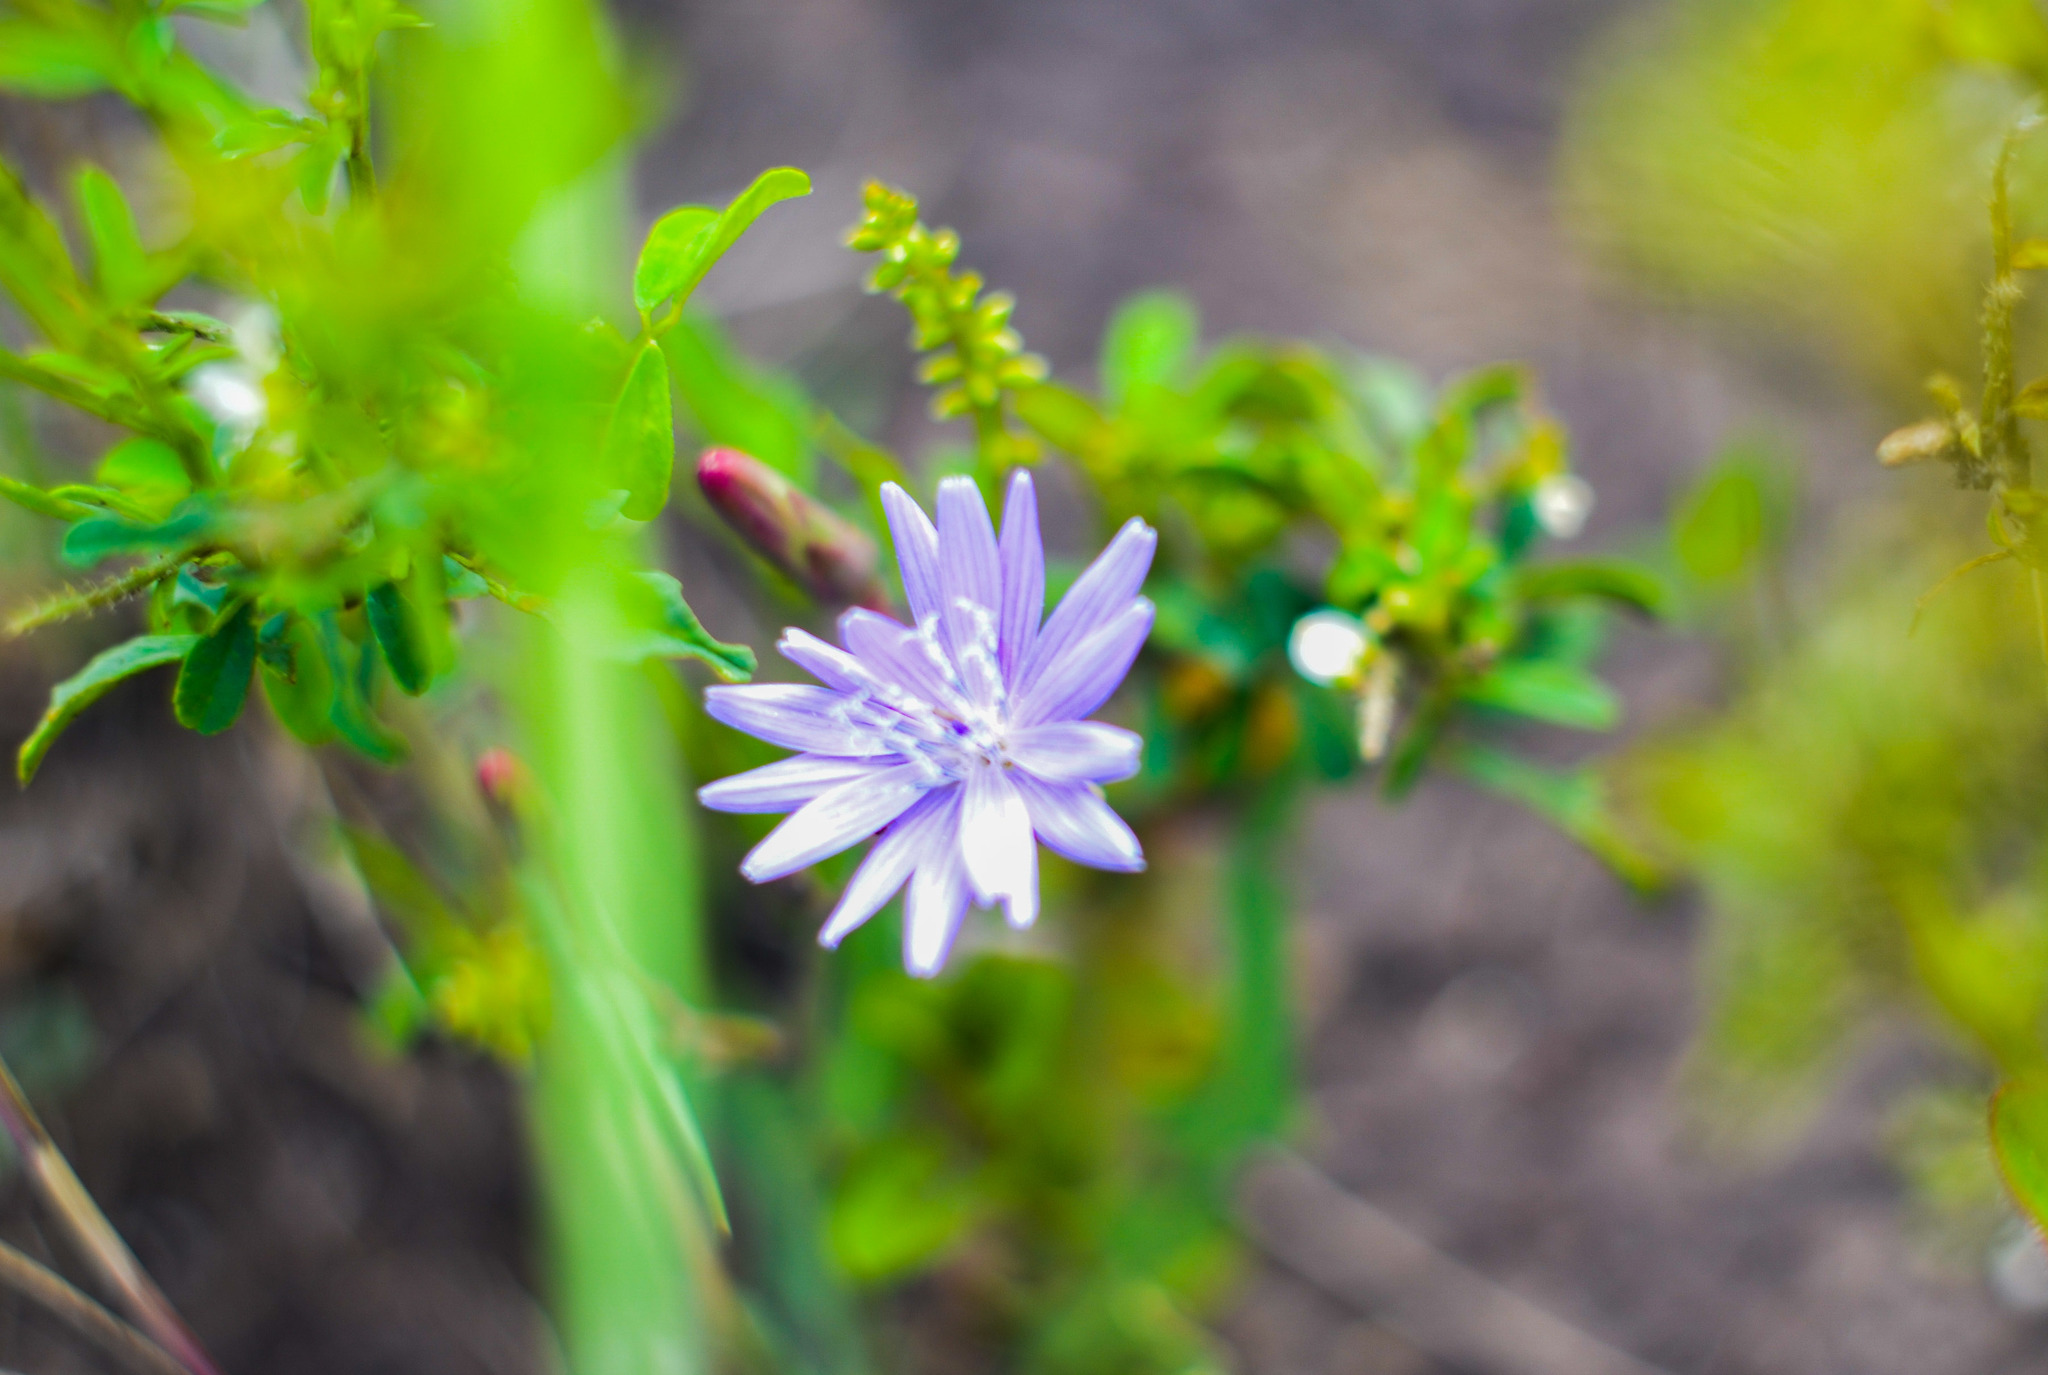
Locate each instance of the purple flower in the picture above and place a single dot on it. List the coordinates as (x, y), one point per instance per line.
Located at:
(958, 739)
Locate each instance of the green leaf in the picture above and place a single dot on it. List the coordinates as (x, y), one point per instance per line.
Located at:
(1148, 343)
(301, 690)
(1546, 691)
(36, 61)
(354, 677)
(147, 471)
(640, 446)
(1614, 580)
(730, 401)
(102, 537)
(676, 632)
(683, 244)
(1059, 415)
(215, 679)
(669, 248)
(2030, 255)
(396, 622)
(413, 619)
(2019, 1140)
(117, 253)
(1575, 801)
(896, 1208)
(1737, 510)
(91, 683)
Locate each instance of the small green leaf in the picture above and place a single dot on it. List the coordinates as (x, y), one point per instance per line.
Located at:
(2019, 1140)
(685, 243)
(897, 1207)
(1059, 415)
(1736, 511)
(671, 244)
(1575, 801)
(117, 253)
(676, 633)
(410, 621)
(1614, 580)
(354, 679)
(730, 401)
(92, 682)
(2030, 255)
(1546, 691)
(147, 471)
(36, 61)
(215, 680)
(301, 688)
(102, 537)
(1148, 343)
(640, 447)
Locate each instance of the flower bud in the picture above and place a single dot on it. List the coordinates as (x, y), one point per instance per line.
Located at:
(807, 540)
(501, 775)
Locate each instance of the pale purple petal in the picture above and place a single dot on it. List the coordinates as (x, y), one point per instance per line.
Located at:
(1098, 595)
(996, 845)
(828, 663)
(904, 656)
(795, 716)
(1082, 679)
(1074, 821)
(832, 821)
(970, 570)
(787, 784)
(1076, 751)
(935, 902)
(917, 552)
(909, 838)
(1022, 551)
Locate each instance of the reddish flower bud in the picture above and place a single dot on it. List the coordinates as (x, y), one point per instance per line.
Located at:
(501, 775)
(810, 542)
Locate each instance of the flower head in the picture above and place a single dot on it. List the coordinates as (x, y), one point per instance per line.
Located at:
(960, 738)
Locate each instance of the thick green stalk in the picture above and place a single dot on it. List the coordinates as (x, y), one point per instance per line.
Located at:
(613, 886)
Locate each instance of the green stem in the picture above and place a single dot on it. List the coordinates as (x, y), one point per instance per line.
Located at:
(1259, 1068)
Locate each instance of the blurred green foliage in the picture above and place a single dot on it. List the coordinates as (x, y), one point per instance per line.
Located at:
(1866, 816)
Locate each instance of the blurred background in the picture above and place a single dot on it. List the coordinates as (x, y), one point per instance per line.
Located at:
(1495, 1031)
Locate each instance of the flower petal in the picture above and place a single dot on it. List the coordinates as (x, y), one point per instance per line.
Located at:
(1073, 820)
(1081, 679)
(917, 552)
(901, 655)
(909, 839)
(1076, 751)
(826, 662)
(1022, 551)
(971, 579)
(935, 903)
(1101, 593)
(996, 845)
(797, 716)
(832, 821)
(787, 784)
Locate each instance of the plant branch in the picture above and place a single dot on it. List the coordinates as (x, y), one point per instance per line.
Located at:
(53, 1178)
(83, 1314)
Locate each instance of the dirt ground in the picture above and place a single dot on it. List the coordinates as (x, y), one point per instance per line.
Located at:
(1493, 1027)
